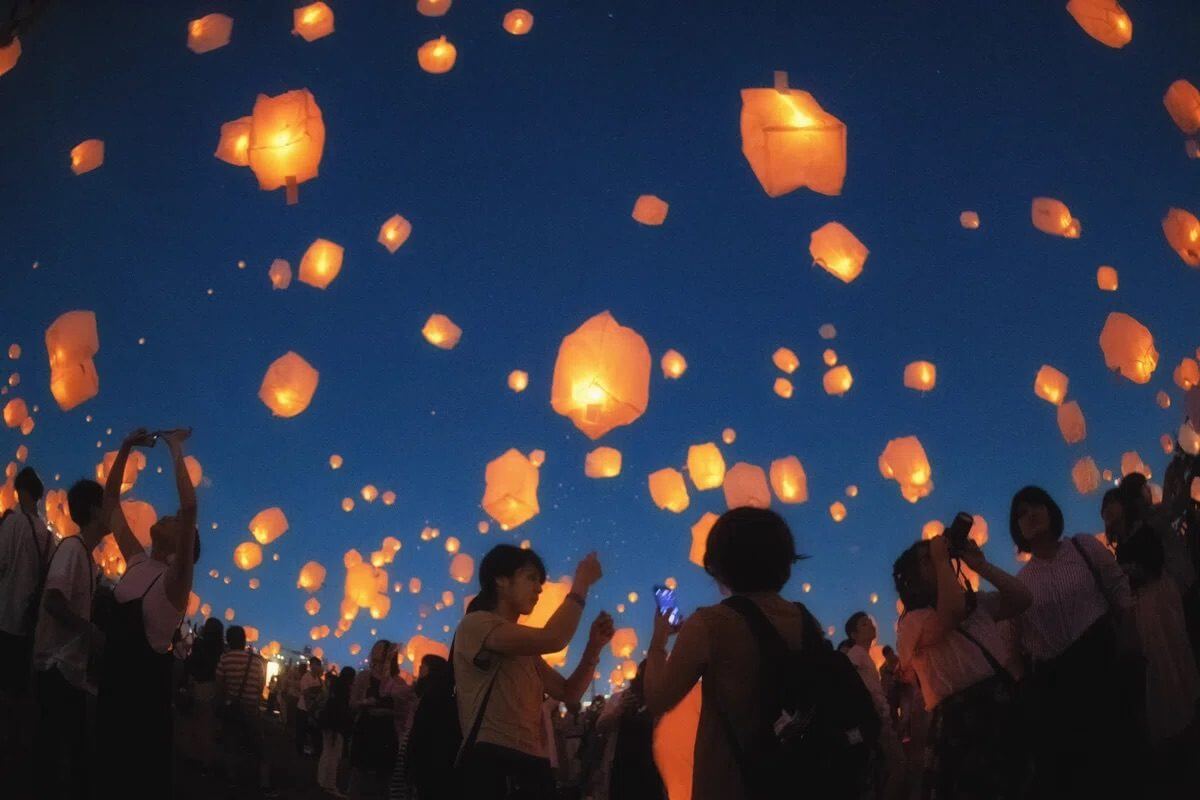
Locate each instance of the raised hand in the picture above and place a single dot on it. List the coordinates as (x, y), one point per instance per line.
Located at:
(588, 571)
(602, 630)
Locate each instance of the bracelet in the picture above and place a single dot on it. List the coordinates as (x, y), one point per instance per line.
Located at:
(578, 598)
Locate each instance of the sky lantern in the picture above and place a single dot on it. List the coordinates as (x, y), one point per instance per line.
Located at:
(1071, 422)
(624, 642)
(783, 387)
(1053, 217)
(14, 351)
(829, 356)
(1131, 462)
(379, 606)
(838, 380)
(312, 577)
(247, 555)
(15, 412)
(287, 140)
(133, 465)
(746, 485)
(280, 274)
(510, 494)
(785, 360)
(601, 376)
(1168, 443)
(347, 504)
(673, 364)
(1187, 374)
(904, 461)
(452, 544)
(71, 343)
(369, 492)
(650, 210)
(209, 32)
(420, 646)
(789, 480)
(9, 55)
(603, 462)
(1103, 20)
(791, 142)
(268, 525)
(1051, 385)
(312, 22)
(394, 232)
(87, 156)
(1182, 230)
(433, 8)
(441, 332)
(335, 461)
(289, 385)
(668, 491)
(537, 457)
(58, 514)
(414, 585)
(969, 220)
(705, 466)
(1163, 399)
(312, 606)
(462, 568)
(1106, 279)
(838, 251)
(931, 529)
(437, 56)
(920, 376)
(518, 380)
(837, 511)
(552, 596)
(233, 145)
(700, 533)
(193, 604)
(27, 426)
(321, 263)
(728, 436)
(1183, 104)
(827, 331)
(852, 491)
(518, 22)
(1128, 347)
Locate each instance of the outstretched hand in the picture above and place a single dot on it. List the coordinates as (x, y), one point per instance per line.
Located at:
(175, 436)
(602, 630)
(140, 438)
(663, 629)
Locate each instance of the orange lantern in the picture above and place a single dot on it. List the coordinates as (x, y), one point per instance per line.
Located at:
(394, 232)
(1132, 462)
(904, 461)
(783, 387)
(437, 56)
(838, 251)
(830, 357)
(837, 511)
(518, 22)
(920, 376)
(1053, 217)
(785, 360)
(433, 8)
(673, 364)
(87, 156)
(791, 142)
(233, 145)
(1050, 385)
(518, 380)
(1187, 374)
(312, 606)
(441, 332)
(510, 494)
(289, 385)
(603, 462)
(209, 33)
(705, 466)
(969, 220)
(700, 533)
(9, 55)
(1071, 422)
(133, 465)
(280, 274)
(554, 593)
(1106, 279)
(335, 461)
(624, 642)
(1163, 399)
(247, 555)
(838, 381)
(601, 376)
(931, 529)
(15, 412)
(789, 480)
(71, 342)
(1103, 20)
(827, 331)
(58, 514)
(1182, 230)
(650, 210)
(728, 436)
(268, 525)
(321, 263)
(369, 492)
(1183, 104)
(462, 568)
(1128, 347)
(14, 351)
(287, 140)
(312, 22)
(746, 485)
(347, 504)
(852, 491)
(1168, 443)
(193, 604)
(668, 491)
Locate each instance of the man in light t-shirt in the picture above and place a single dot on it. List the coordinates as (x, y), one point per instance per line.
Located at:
(63, 644)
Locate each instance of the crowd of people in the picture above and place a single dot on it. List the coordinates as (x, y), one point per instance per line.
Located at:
(1075, 677)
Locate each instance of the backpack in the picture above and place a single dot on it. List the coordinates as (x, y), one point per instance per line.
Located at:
(824, 728)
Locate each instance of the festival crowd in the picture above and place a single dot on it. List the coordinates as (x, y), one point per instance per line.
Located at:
(1075, 677)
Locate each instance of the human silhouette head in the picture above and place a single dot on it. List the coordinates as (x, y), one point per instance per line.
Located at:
(235, 637)
(29, 489)
(750, 550)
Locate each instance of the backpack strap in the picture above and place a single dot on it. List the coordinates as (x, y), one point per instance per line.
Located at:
(469, 740)
(1092, 569)
(996, 666)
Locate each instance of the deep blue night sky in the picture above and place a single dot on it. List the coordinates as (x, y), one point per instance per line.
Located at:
(518, 170)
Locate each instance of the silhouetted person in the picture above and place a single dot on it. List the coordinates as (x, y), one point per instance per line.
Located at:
(241, 676)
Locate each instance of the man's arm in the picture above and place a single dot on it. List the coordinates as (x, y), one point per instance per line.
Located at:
(571, 689)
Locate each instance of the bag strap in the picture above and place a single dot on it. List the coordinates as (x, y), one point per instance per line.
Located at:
(1092, 569)
(42, 565)
(996, 666)
(469, 740)
(245, 675)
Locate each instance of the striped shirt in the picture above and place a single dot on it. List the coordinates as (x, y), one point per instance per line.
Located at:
(1066, 600)
(230, 671)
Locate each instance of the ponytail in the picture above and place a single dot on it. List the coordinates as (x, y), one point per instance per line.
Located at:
(502, 561)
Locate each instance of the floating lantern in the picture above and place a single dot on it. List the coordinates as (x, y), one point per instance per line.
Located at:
(87, 156)
(208, 33)
(268, 525)
(437, 56)
(335, 461)
(194, 470)
(1131, 462)
(1071, 422)
(1103, 20)
(1183, 104)
(1050, 385)
(904, 461)
(729, 436)
(791, 142)
(830, 357)
(510, 494)
(369, 492)
(920, 376)
(852, 491)
(280, 274)
(827, 331)
(9, 55)
(1106, 279)
(1168, 443)
(433, 8)
(312, 606)
(785, 360)
(601, 376)
(746, 485)
(1128, 347)
(321, 263)
(289, 385)
(837, 511)
(789, 480)
(673, 364)
(1163, 399)
(1053, 217)
(969, 220)
(537, 457)
(312, 577)
(394, 232)
(783, 387)
(15, 412)
(462, 568)
(518, 22)
(838, 381)
(247, 555)
(287, 140)
(441, 332)
(700, 533)
(1187, 374)
(838, 251)
(14, 351)
(1182, 230)
(668, 491)
(603, 462)
(624, 642)
(650, 210)
(312, 22)
(705, 466)
(71, 342)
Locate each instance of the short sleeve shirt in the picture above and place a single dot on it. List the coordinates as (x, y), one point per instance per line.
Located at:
(55, 646)
(513, 717)
(953, 664)
(24, 552)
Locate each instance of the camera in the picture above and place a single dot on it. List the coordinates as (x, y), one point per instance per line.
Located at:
(957, 532)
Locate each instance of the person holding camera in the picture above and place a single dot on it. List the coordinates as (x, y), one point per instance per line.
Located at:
(949, 636)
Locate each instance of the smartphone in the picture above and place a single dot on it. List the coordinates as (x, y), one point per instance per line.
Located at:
(668, 604)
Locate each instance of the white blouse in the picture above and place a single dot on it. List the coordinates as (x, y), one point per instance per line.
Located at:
(955, 663)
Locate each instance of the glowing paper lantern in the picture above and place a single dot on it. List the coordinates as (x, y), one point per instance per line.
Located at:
(71, 342)
(518, 22)
(280, 274)
(827, 331)
(247, 555)
(1187, 374)
(437, 56)
(14, 351)
(1189, 439)
(537, 457)
(58, 514)
(312, 22)
(441, 332)
(15, 412)
(785, 360)
(1071, 422)
(920, 376)
(624, 642)
(838, 251)
(791, 142)
(1182, 230)
(510, 494)
(394, 232)
(1128, 347)
(789, 480)
(969, 220)
(369, 492)
(335, 461)
(746, 485)
(706, 466)
(312, 606)
(321, 263)
(830, 357)
(379, 606)
(931, 529)
(268, 525)
(133, 465)
(554, 593)
(783, 387)
(603, 462)
(1131, 462)
(668, 491)
(287, 140)
(700, 533)
(462, 568)
(673, 364)
(1106, 279)
(1053, 217)
(1103, 20)
(193, 604)
(1163, 399)
(518, 380)
(9, 55)
(852, 491)
(433, 8)
(837, 511)
(601, 376)
(904, 461)
(87, 156)
(1183, 104)
(288, 386)
(838, 380)
(1168, 443)
(650, 210)
(347, 504)
(729, 436)
(1050, 385)
(209, 33)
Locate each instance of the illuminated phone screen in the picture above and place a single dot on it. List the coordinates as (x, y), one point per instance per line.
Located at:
(668, 604)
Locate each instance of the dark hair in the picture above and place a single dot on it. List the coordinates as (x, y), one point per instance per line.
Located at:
(906, 575)
(438, 677)
(235, 636)
(852, 623)
(887, 650)
(196, 548)
(213, 629)
(339, 687)
(750, 550)
(1033, 496)
(29, 485)
(1110, 497)
(314, 660)
(845, 644)
(82, 498)
(502, 561)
